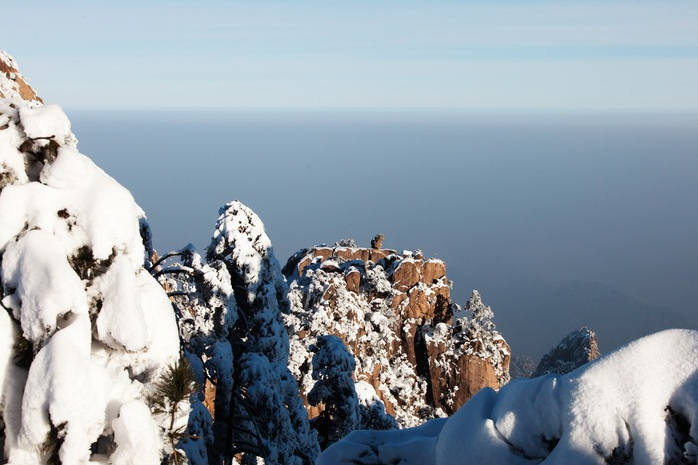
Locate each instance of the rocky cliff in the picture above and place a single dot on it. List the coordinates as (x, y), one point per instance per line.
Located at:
(423, 354)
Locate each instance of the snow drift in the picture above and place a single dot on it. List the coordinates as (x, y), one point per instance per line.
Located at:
(636, 405)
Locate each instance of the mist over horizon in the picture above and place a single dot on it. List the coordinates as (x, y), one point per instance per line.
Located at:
(560, 221)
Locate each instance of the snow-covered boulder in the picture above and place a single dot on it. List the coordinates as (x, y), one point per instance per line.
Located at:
(86, 329)
(637, 405)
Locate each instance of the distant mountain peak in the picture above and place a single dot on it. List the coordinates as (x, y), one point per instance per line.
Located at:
(574, 350)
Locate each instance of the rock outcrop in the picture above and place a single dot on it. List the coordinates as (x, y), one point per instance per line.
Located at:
(577, 348)
(13, 86)
(424, 355)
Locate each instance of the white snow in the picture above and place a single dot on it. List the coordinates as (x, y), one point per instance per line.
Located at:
(105, 210)
(366, 393)
(45, 122)
(11, 159)
(136, 435)
(200, 434)
(12, 380)
(121, 321)
(64, 390)
(162, 346)
(613, 410)
(105, 216)
(46, 287)
(240, 230)
(99, 327)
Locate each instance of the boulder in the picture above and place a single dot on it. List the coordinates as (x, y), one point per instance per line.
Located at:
(353, 280)
(406, 275)
(377, 241)
(432, 271)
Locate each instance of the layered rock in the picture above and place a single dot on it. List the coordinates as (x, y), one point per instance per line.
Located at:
(577, 348)
(423, 354)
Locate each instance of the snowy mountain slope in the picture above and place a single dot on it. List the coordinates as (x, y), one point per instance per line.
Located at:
(636, 405)
(87, 329)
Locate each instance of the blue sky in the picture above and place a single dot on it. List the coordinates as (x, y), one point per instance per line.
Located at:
(503, 55)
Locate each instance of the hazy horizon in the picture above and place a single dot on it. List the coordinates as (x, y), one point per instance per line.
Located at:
(545, 151)
(558, 221)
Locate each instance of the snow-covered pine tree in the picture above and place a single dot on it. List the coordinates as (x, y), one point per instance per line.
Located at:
(474, 331)
(203, 298)
(86, 331)
(481, 315)
(333, 366)
(374, 416)
(170, 393)
(268, 392)
(372, 409)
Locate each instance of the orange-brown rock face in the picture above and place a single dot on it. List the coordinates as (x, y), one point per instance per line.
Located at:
(406, 275)
(12, 85)
(353, 279)
(394, 312)
(469, 374)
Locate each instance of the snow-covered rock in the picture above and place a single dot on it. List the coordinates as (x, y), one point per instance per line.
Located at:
(637, 405)
(87, 329)
(13, 86)
(423, 355)
(574, 350)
